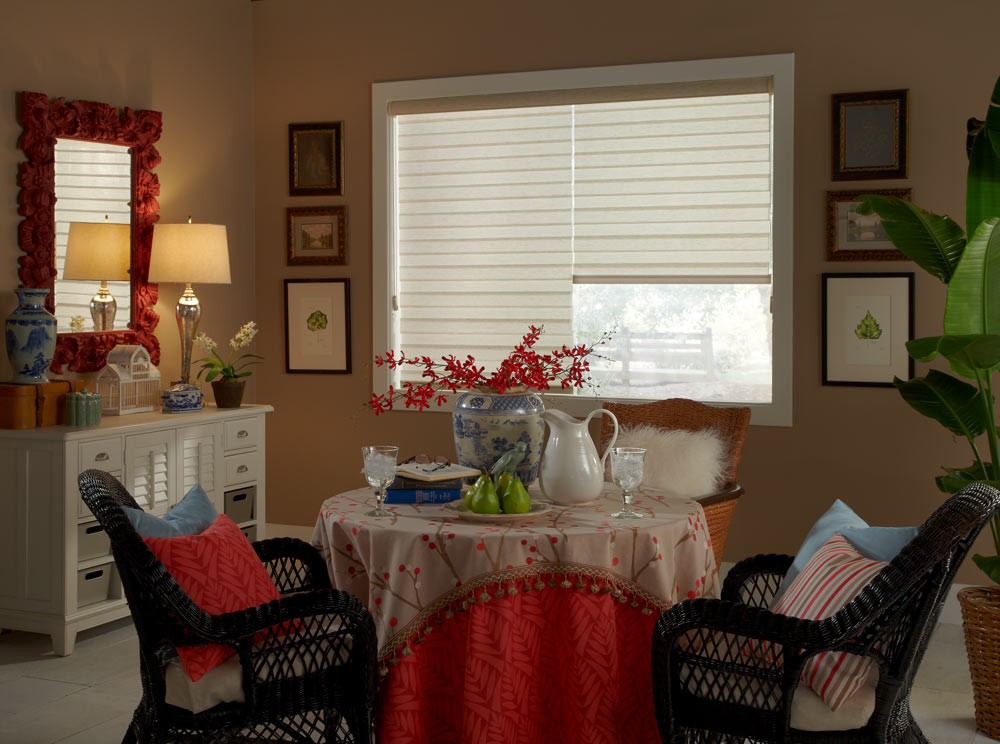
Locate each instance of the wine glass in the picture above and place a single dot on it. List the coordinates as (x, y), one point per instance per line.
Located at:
(626, 472)
(380, 470)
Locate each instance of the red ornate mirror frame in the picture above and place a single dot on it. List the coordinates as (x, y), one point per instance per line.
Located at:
(44, 121)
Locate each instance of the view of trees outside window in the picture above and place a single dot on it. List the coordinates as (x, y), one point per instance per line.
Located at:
(709, 342)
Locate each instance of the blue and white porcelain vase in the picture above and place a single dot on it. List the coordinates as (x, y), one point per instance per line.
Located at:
(488, 424)
(31, 337)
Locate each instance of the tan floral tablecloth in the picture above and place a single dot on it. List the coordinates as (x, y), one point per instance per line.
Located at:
(424, 560)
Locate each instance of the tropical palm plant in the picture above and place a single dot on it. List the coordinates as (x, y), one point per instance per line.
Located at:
(970, 267)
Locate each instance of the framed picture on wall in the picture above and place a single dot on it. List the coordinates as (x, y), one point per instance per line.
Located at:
(869, 135)
(316, 236)
(316, 159)
(867, 320)
(318, 326)
(858, 237)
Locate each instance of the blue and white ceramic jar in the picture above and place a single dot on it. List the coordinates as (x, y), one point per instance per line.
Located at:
(31, 337)
(486, 425)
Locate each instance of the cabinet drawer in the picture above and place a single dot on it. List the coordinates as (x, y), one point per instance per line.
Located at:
(93, 585)
(242, 468)
(103, 454)
(91, 541)
(242, 433)
(240, 503)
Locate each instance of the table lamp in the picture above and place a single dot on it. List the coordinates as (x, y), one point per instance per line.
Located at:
(99, 251)
(188, 254)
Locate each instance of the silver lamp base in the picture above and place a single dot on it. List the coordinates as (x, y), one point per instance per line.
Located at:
(103, 309)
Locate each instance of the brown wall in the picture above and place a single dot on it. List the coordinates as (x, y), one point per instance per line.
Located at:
(189, 59)
(315, 61)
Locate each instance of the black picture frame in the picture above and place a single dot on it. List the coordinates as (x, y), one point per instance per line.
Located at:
(316, 159)
(317, 326)
(870, 135)
(856, 303)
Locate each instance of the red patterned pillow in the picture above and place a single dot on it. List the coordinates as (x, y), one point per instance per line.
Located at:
(834, 576)
(221, 573)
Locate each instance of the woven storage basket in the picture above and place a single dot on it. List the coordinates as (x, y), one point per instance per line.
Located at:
(981, 621)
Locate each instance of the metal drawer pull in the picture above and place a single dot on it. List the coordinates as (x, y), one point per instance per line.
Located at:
(94, 529)
(102, 456)
(242, 469)
(242, 434)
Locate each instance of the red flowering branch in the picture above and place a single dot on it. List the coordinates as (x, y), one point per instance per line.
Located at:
(523, 367)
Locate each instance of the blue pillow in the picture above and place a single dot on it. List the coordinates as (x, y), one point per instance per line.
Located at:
(877, 543)
(189, 516)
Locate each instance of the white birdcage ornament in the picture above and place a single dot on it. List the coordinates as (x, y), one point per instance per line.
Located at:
(129, 383)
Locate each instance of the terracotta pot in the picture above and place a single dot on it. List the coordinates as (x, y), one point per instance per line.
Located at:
(981, 622)
(228, 392)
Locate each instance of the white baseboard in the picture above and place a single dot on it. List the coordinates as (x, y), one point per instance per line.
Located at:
(289, 530)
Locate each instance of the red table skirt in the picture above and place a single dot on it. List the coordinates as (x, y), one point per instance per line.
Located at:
(557, 664)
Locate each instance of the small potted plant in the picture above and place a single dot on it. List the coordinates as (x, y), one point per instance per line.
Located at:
(231, 372)
(969, 264)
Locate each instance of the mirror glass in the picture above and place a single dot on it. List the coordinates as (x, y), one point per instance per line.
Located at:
(93, 184)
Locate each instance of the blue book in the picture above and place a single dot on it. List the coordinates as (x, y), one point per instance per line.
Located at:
(421, 495)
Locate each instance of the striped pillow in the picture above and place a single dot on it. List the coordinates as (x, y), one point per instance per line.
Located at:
(834, 576)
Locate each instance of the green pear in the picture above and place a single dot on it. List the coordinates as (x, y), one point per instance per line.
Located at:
(516, 499)
(470, 494)
(485, 500)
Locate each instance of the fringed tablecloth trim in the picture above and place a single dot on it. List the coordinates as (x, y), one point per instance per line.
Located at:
(498, 584)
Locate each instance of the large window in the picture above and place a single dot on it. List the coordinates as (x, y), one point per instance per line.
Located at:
(655, 199)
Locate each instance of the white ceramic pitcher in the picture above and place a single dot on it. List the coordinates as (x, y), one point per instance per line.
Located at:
(571, 472)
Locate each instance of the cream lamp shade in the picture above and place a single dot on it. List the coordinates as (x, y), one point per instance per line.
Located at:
(98, 251)
(189, 253)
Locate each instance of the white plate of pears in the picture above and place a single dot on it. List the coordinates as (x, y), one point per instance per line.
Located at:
(504, 501)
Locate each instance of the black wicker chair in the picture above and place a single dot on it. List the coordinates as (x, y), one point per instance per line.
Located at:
(711, 683)
(315, 683)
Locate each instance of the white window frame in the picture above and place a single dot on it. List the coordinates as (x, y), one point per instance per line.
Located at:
(780, 67)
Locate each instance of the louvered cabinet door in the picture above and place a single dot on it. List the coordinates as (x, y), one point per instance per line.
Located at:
(150, 461)
(202, 461)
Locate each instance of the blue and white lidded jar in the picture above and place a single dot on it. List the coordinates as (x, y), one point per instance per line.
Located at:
(31, 337)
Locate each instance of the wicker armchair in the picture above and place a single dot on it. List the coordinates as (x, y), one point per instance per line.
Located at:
(315, 683)
(689, 415)
(710, 683)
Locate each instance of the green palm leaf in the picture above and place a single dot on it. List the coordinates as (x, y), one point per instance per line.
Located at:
(973, 304)
(966, 353)
(933, 241)
(956, 405)
(982, 195)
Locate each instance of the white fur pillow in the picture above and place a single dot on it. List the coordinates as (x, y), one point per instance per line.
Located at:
(687, 463)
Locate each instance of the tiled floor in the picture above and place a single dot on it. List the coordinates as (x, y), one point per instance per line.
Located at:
(88, 698)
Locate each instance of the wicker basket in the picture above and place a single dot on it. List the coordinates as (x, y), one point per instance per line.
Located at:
(981, 621)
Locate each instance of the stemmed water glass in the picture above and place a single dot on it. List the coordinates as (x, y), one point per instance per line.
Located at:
(626, 472)
(380, 470)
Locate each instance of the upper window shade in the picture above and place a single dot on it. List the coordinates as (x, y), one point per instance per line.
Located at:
(504, 201)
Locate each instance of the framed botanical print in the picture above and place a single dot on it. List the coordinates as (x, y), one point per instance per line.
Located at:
(316, 236)
(867, 320)
(316, 159)
(318, 326)
(870, 135)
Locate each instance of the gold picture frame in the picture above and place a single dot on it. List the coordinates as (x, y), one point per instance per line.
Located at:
(854, 237)
(316, 159)
(316, 236)
(870, 135)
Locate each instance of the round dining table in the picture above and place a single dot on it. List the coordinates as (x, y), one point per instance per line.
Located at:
(517, 628)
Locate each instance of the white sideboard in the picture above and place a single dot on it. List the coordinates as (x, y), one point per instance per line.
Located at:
(58, 576)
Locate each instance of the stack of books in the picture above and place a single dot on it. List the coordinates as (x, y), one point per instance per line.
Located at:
(415, 485)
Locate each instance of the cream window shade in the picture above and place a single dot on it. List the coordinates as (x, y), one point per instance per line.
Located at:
(93, 179)
(501, 208)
